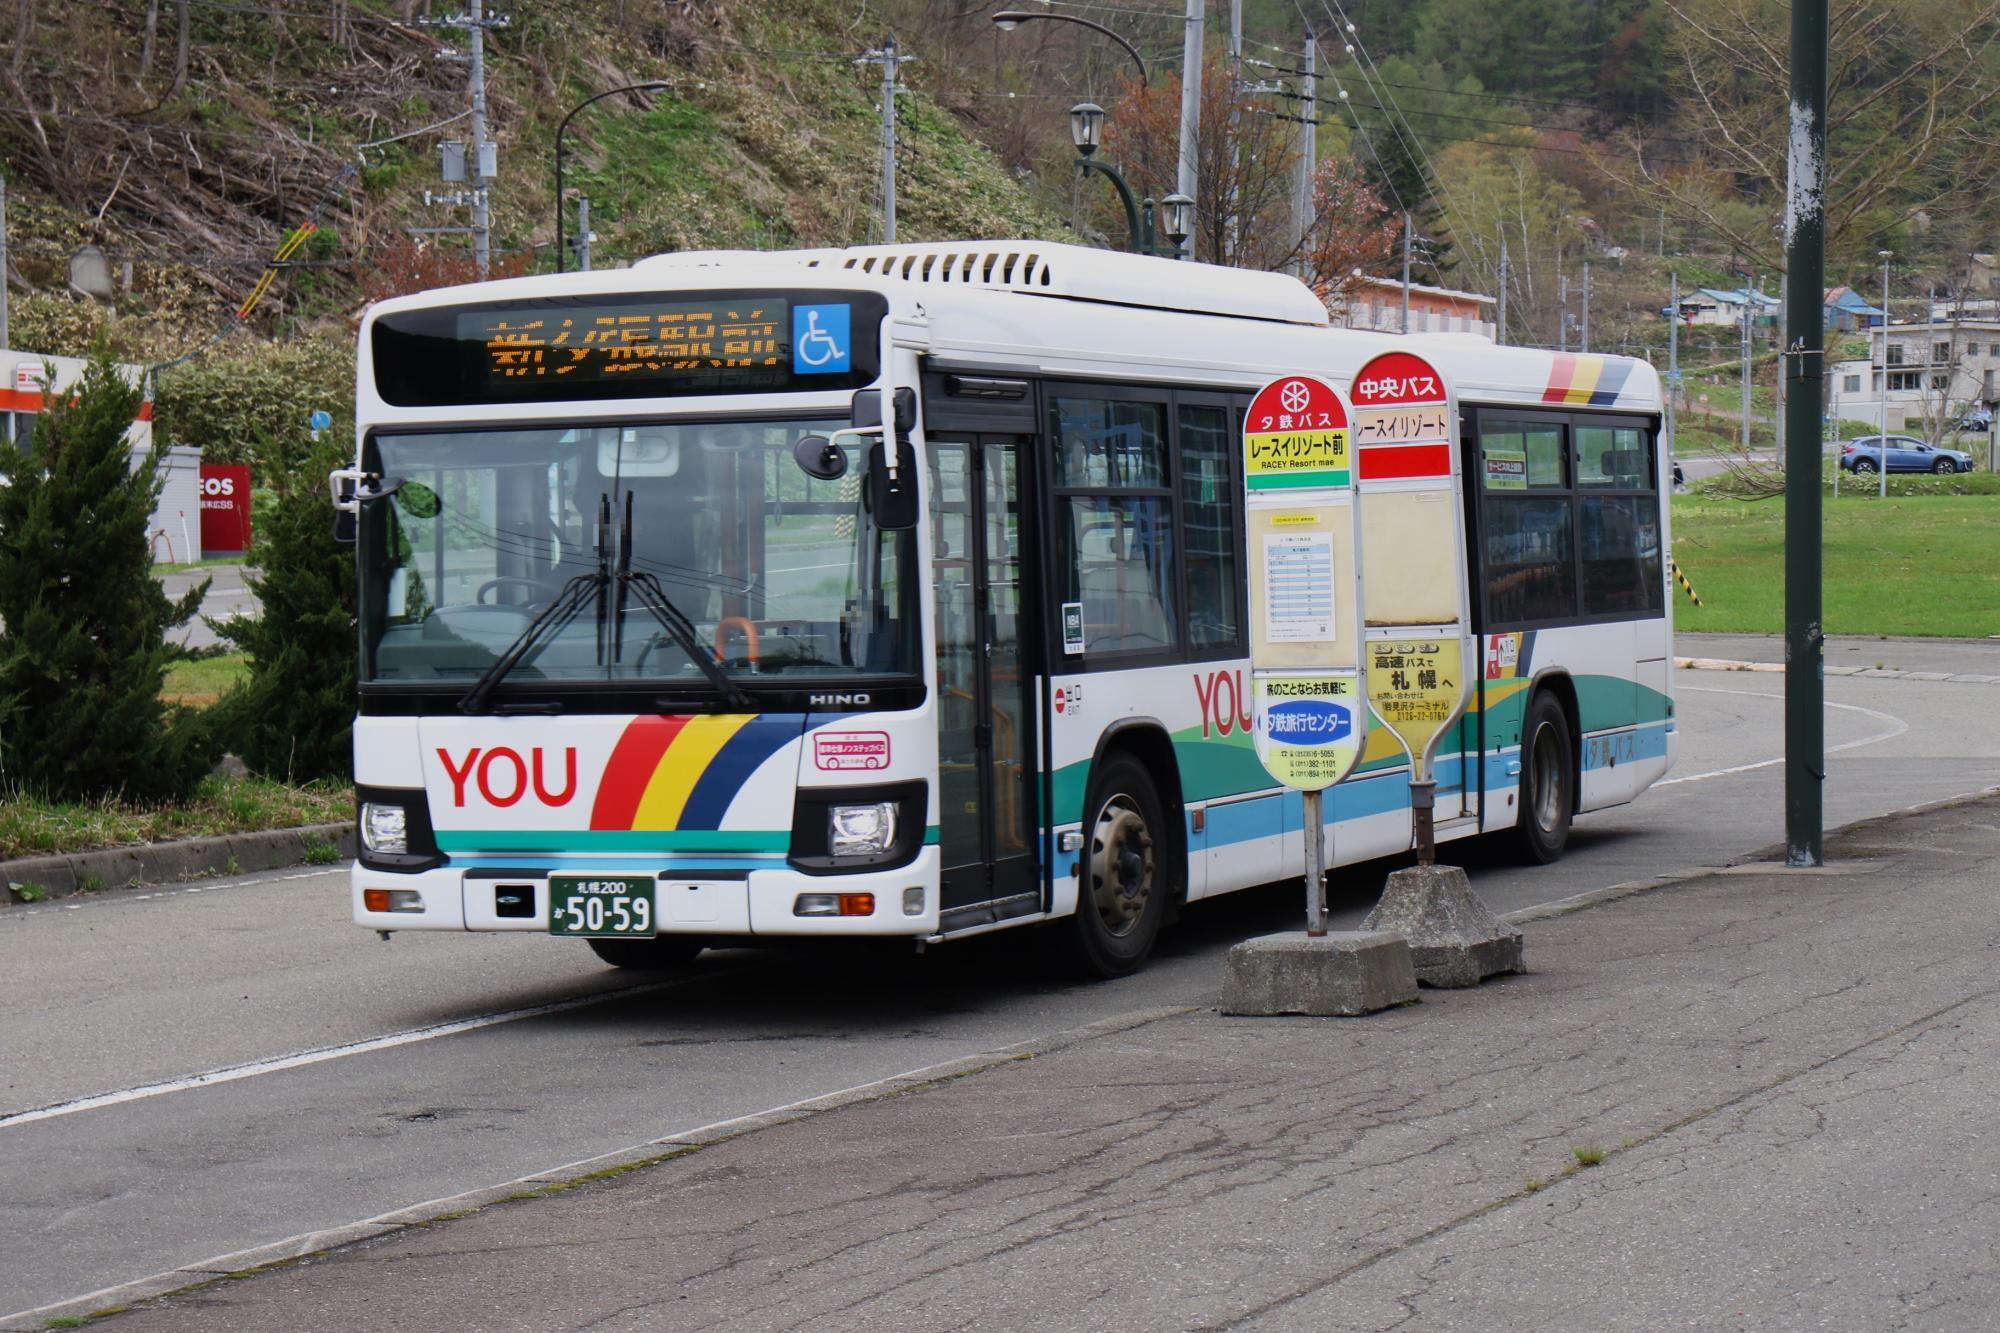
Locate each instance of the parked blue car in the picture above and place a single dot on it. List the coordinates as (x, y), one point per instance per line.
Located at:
(1906, 453)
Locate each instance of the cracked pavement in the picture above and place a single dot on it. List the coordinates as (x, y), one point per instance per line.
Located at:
(1790, 1077)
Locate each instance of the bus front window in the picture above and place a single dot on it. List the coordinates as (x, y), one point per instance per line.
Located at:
(781, 573)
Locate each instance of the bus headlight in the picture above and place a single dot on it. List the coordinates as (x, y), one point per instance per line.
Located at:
(384, 828)
(861, 830)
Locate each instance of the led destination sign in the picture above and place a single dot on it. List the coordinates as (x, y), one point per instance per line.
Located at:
(617, 346)
(661, 342)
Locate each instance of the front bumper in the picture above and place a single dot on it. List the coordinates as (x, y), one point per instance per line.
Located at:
(689, 902)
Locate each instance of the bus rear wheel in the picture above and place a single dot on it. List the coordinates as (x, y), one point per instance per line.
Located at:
(1548, 781)
(1124, 880)
(662, 953)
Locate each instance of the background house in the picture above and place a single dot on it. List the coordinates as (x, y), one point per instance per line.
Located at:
(1377, 304)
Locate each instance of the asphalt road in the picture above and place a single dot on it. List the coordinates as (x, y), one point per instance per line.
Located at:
(357, 1076)
(228, 597)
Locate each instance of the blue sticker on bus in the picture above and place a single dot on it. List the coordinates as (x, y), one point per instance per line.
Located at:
(1308, 722)
(820, 342)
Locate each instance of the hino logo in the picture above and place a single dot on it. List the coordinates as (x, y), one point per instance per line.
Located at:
(839, 700)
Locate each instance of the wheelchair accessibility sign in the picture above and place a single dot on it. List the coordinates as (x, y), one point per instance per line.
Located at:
(820, 343)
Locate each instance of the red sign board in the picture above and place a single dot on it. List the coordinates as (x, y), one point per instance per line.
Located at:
(1296, 435)
(225, 509)
(1402, 420)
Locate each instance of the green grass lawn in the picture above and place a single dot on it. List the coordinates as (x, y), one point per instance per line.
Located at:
(30, 826)
(1918, 564)
(201, 681)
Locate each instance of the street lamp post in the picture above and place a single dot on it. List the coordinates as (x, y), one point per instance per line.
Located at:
(1086, 131)
(651, 86)
(1009, 19)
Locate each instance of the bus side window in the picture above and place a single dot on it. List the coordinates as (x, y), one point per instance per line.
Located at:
(1208, 518)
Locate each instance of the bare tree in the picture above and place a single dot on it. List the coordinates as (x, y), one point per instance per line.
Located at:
(1913, 85)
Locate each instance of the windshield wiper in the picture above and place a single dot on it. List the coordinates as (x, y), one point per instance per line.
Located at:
(568, 604)
(610, 592)
(575, 595)
(681, 630)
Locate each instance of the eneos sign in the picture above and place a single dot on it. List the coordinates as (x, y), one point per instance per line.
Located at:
(225, 509)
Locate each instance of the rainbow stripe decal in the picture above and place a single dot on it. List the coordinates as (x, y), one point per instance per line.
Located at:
(682, 772)
(1586, 381)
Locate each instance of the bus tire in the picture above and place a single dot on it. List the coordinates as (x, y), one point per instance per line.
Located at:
(1124, 879)
(662, 953)
(1548, 781)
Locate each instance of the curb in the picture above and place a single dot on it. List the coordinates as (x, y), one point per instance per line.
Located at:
(191, 1277)
(63, 875)
(1880, 673)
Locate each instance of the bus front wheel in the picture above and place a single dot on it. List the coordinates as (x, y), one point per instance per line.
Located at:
(662, 953)
(1548, 780)
(1123, 880)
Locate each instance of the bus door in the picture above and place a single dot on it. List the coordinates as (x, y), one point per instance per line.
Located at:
(986, 722)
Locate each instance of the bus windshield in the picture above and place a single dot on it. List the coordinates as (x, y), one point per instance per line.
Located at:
(780, 572)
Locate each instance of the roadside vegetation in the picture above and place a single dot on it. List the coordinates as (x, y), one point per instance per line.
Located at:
(1919, 563)
(32, 826)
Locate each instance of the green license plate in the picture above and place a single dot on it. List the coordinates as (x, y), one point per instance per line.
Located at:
(601, 905)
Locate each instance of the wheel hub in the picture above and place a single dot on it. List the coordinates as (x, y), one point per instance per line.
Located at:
(1121, 865)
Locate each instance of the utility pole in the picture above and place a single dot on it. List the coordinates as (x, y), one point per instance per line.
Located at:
(485, 161)
(1308, 150)
(1748, 315)
(1500, 316)
(1234, 229)
(583, 233)
(1190, 105)
(3, 262)
(1882, 386)
(1586, 306)
(1673, 353)
(885, 56)
(1406, 270)
(482, 216)
(1805, 354)
(1562, 312)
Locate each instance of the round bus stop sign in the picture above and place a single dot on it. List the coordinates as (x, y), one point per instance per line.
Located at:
(1295, 436)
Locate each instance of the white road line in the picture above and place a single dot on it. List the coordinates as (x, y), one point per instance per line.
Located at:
(388, 1041)
(1897, 728)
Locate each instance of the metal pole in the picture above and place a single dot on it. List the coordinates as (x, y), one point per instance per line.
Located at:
(1586, 307)
(482, 238)
(1744, 341)
(1778, 420)
(1673, 358)
(583, 233)
(1315, 830)
(1562, 312)
(1805, 343)
(1500, 315)
(1423, 825)
(1406, 270)
(889, 139)
(3, 263)
(1308, 150)
(1190, 105)
(1882, 389)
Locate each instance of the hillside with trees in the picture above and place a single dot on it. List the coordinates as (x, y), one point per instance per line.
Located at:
(189, 140)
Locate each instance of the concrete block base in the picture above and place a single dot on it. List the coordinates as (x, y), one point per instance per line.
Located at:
(1455, 940)
(1341, 972)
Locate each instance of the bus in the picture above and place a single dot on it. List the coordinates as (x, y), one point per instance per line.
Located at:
(899, 592)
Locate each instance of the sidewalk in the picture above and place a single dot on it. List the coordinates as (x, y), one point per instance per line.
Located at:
(1790, 1077)
(1852, 655)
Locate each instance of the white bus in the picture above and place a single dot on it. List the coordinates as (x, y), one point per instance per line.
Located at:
(667, 643)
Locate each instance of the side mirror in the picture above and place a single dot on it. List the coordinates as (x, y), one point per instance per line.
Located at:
(820, 458)
(866, 409)
(893, 500)
(417, 500)
(346, 526)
